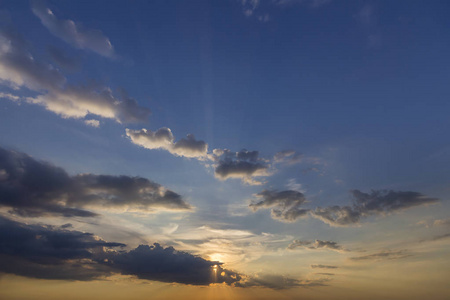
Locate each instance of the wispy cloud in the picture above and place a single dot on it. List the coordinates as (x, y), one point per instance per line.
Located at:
(317, 245)
(73, 32)
(383, 255)
(19, 69)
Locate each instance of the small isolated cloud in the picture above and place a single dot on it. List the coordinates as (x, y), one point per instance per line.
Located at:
(35, 188)
(72, 32)
(378, 202)
(383, 255)
(323, 267)
(93, 123)
(316, 245)
(18, 69)
(286, 205)
(289, 157)
(244, 165)
(164, 139)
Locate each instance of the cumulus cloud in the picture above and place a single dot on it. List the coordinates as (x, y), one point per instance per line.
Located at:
(164, 139)
(244, 165)
(72, 32)
(50, 253)
(18, 68)
(316, 245)
(383, 255)
(286, 205)
(33, 188)
(378, 202)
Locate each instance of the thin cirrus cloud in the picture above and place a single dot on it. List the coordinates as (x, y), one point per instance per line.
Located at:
(383, 255)
(317, 245)
(19, 69)
(34, 188)
(286, 205)
(50, 252)
(72, 32)
(319, 266)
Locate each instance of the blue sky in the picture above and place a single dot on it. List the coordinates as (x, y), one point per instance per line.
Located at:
(270, 121)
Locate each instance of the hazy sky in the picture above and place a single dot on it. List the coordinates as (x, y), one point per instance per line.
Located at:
(235, 149)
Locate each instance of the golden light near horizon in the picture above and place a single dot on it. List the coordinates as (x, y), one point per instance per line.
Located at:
(236, 149)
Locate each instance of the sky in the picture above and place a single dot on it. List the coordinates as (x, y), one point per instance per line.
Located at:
(235, 149)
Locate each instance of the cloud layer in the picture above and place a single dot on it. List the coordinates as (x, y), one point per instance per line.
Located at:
(33, 188)
(51, 252)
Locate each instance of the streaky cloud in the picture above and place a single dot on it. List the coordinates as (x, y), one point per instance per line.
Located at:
(19, 69)
(319, 266)
(72, 32)
(383, 255)
(317, 245)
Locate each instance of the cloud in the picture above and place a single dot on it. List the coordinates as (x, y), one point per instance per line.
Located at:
(164, 139)
(34, 188)
(72, 32)
(286, 204)
(278, 282)
(316, 245)
(378, 202)
(93, 123)
(323, 267)
(50, 253)
(18, 68)
(168, 265)
(54, 253)
(289, 157)
(383, 255)
(441, 222)
(244, 165)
